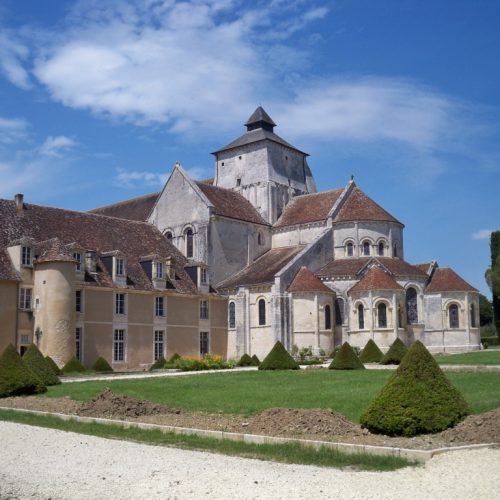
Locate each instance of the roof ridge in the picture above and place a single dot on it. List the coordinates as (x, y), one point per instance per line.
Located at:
(123, 202)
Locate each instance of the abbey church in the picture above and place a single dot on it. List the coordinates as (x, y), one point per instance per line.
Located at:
(227, 266)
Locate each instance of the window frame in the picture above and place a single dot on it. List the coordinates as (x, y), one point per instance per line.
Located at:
(159, 306)
(158, 344)
(79, 261)
(204, 343)
(79, 301)
(189, 242)
(339, 311)
(411, 318)
(204, 309)
(366, 247)
(79, 343)
(328, 317)
(472, 314)
(119, 345)
(26, 256)
(158, 270)
(120, 306)
(349, 249)
(452, 317)
(25, 302)
(231, 321)
(382, 319)
(120, 267)
(261, 311)
(203, 275)
(361, 316)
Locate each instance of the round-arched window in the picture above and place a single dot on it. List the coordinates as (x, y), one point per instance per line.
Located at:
(453, 316)
(411, 306)
(232, 315)
(361, 317)
(262, 312)
(366, 248)
(188, 235)
(169, 236)
(382, 315)
(339, 311)
(350, 249)
(328, 317)
(381, 249)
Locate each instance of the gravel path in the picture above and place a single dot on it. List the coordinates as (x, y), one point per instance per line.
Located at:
(43, 463)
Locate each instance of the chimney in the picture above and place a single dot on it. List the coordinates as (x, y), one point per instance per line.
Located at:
(91, 261)
(19, 199)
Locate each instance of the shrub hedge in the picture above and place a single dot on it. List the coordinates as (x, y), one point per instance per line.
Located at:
(245, 360)
(73, 366)
(209, 362)
(15, 377)
(35, 361)
(417, 399)
(395, 353)
(174, 358)
(278, 359)
(371, 353)
(53, 365)
(346, 359)
(101, 365)
(159, 364)
(256, 360)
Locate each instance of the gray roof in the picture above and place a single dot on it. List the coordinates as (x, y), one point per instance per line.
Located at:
(260, 115)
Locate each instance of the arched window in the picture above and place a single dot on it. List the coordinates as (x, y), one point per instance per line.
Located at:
(339, 311)
(350, 249)
(473, 316)
(366, 248)
(395, 250)
(260, 238)
(411, 306)
(453, 316)
(328, 317)
(382, 315)
(169, 236)
(232, 315)
(262, 312)
(381, 248)
(361, 317)
(188, 236)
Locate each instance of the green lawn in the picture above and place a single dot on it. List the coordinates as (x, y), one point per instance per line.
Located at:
(247, 393)
(488, 357)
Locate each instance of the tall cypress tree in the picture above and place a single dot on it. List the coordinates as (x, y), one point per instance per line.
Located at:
(495, 277)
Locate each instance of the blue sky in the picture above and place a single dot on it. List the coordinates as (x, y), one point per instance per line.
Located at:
(100, 98)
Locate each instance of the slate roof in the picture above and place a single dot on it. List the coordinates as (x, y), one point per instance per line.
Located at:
(91, 232)
(306, 281)
(228, 203)
(444, 279)
(359, 207)
(351, 266)
(260, 115)
(262, 270)
(136, 209)
(375, 279)
(308, 208)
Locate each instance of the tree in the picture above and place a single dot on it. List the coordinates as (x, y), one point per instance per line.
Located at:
(485, 310)
(493, 276)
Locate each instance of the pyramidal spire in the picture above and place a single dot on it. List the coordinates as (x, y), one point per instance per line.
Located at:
(260, 119)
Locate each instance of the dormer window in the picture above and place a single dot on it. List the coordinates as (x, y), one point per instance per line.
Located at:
(203, 275)
(119, 266)
(26, 256)
(158, 270)
(79, 261)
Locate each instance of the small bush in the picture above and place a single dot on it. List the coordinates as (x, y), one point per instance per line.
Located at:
(490, 341)
(159, 364)
(174, 358)
(209, 362)
(53, 365)
(337, 349)
(346, 359)
(395, 353)
(371, 353)
(245, 360)
(15, 377)
(278, 359)
(101, 365)
(417, 399)
(35, 361)
(73, 366)
(256, 360)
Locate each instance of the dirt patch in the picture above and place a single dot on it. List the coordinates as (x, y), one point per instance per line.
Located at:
(314, 422)
(110, 405)
(319, 424)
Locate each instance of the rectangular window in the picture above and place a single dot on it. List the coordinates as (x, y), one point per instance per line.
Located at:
(26, 256)
(78, 301)
(159, 270)
(159, 344)
(159, 307)
(79, 343)
(203, 275)
(78, 257)
(120, 267)
(204, 343)
(25, 298)
(25, 339)
(119, 345)
(120, 303)
(203, 309)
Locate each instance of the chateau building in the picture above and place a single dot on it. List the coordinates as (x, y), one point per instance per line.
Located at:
(227, 266)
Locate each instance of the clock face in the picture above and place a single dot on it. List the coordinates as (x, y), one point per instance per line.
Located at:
(62, 326)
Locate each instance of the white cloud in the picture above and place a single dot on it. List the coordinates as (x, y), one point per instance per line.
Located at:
(56, 146)
(482, 234)
(134, 178)
(12, 55)
(12, 130)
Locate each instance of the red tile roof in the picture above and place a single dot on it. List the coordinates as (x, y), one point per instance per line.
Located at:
(308, 208)
(134, 209)
(229, 203)
(53, 251)
(262, 270)
(92, 232)
(424, 267)
(446, 280)
(375, 279)
(351, 266)
(359, 206)
(306, 281)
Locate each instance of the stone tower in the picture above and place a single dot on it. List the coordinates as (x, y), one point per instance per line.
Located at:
(263, 167)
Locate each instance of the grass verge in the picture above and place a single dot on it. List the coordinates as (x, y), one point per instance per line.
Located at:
(292, 453)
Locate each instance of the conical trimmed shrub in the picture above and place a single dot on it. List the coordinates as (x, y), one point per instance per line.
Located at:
(15, 377)
(346, 359)
(159, 364)
(245, 360)
(101, 365)
(53, 365)
(35, 361)
(73, 366)
(278, 359)
(417, 399)
(174, 358)
(395, 353)
(371, 353)
(256, 360)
